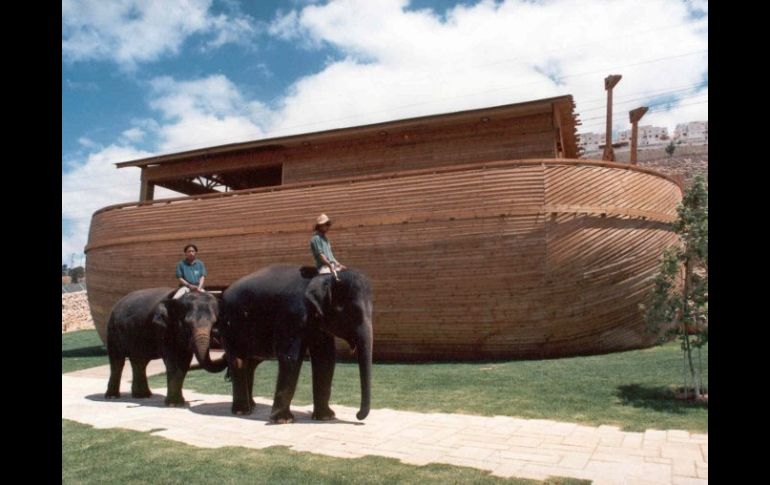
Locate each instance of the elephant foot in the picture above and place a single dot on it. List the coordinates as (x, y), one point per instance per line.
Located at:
(282, 417)
(252, 405)
(325, 415)
(112, 395)
(141, 394)
(176, 403)
(240, 410)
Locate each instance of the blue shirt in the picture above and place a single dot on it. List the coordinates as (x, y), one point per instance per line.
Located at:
(191, 272)
(320, 245)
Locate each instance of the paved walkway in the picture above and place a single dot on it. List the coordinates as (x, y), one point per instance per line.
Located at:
(525, 448)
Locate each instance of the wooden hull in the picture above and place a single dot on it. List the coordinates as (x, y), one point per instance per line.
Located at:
(505, 260)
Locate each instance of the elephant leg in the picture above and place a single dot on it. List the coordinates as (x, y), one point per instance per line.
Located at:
(239, 375)
(116, 370)
(139, 386)
(322, 360)
(251, 368)
(176, 370)
(288, 373)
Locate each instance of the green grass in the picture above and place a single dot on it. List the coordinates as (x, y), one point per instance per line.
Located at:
(632, 390)
(131, 457)
(81, 350)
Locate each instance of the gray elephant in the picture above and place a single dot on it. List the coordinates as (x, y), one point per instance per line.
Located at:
(148, 324)
(285, 312)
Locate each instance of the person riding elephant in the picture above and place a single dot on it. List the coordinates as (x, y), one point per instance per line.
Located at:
(286, 311)
(150, 324)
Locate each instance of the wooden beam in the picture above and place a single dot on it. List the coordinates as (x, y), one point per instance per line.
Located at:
(559, 132)
(146, 189)
(635, 115)
(609, 83)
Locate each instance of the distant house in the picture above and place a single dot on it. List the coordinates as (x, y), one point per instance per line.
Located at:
(647, 136)
(590, 142)
(692, 133)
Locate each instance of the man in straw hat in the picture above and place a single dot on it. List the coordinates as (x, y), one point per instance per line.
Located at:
(322, 248)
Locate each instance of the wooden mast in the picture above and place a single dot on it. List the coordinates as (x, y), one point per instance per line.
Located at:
(635, 115)
(609, 83)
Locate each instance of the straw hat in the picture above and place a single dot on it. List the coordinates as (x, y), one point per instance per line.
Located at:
(322, 219)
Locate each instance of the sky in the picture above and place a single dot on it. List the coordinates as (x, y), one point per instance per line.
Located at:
(143, 78)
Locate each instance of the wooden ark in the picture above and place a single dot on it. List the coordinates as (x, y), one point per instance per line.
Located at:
(484, 237)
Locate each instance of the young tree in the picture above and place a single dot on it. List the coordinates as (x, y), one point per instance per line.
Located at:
(77, 274)
(680, 293)
(670, 148)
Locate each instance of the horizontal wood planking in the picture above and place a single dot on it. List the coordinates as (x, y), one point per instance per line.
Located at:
(509, 261)
(435, 145)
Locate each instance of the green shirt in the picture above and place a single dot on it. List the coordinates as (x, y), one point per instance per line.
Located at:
(191, 272)
(320, 245)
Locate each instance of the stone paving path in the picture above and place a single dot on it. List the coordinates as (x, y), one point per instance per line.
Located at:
(525, 448)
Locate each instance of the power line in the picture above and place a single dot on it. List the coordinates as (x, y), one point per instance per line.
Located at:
(622, 116)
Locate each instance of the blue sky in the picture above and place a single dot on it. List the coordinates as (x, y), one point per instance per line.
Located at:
(141, 77)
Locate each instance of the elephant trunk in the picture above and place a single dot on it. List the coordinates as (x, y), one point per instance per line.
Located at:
(364, 344)
(201, 345)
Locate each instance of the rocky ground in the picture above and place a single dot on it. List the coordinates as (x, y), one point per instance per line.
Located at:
(75, 314)
(683, 166)
(685, 162)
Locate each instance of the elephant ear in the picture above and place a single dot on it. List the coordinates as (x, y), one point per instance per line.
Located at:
(318, 296)
(161, 316)
(167, 313)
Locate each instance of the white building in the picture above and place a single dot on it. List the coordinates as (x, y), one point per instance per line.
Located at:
(590, 142)
(692, 133)
(648, 136)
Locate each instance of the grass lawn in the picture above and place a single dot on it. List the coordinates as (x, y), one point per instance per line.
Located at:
(131, 457)
(633, 390)
(83, 349)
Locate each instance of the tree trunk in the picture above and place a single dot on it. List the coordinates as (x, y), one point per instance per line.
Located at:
(685, 323)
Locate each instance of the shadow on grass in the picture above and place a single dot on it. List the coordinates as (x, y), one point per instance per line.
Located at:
(658, 398)
(95, 351)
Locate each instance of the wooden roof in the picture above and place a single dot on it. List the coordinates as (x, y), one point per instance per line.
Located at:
(561, 107)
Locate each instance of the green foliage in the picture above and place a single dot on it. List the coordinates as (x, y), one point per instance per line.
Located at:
(64, 270)
(77, 273)
(679, 303)
(81, 350)
(670, 148)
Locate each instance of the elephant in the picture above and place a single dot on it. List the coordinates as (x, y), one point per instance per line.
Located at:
(148, 324)
(284, 312)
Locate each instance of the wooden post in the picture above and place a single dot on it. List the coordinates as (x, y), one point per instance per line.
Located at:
(609, 83)
(146, 189)
(635, 115)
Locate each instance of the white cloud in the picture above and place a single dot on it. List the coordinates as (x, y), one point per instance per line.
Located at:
(229, 30)
(133, 135)
(285, 26)
(129, 32)
(204, 112)
(86, 142)
(402, 63)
